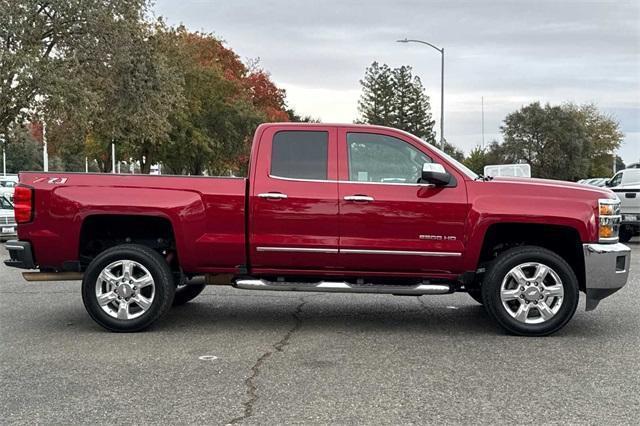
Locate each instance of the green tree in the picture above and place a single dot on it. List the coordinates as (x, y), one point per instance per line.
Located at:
(476, 160)
(566, 142)
(395, 98)
(376, 104)
(42, 43)
(22, 150)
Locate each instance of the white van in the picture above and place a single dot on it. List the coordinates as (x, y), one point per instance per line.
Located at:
(624, 177)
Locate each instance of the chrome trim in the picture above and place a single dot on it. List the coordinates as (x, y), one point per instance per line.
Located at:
(11, 247)
(603, 275)
(296, 250)
(272, 195)
(357, 251)
(422, 185)
(403, 252)
(344, 287)
(358, 198)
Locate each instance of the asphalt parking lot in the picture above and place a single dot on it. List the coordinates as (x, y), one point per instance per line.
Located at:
(234, 356)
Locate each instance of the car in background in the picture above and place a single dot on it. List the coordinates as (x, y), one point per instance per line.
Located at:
(513, 170)
(629, 196)
(599, 182)
(7, 219)
(8, 185)
(624, 177)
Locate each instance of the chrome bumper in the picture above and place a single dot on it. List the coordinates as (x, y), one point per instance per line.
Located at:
(606, 270)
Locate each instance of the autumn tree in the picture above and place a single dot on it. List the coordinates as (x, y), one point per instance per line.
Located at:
(225, 100)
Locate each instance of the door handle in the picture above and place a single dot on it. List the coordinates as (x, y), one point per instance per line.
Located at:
(364, 198)
(273, 195)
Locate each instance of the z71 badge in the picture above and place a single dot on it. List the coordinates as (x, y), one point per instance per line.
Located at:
(53, 180)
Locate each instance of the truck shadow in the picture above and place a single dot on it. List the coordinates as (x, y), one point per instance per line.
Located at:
(214, 313)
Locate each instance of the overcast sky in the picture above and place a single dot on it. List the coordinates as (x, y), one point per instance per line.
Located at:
(510, 52)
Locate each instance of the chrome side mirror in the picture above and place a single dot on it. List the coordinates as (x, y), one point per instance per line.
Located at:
(436, 174)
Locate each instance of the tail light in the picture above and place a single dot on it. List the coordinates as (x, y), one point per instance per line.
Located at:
(23, 204)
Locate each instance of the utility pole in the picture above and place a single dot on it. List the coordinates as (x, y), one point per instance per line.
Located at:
(45, 154)
(86, 164)
(482, 101)
(4, 157)
(113, 157)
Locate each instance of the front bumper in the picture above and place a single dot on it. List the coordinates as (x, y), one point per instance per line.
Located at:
(606, 270)
(20, 254)
(630, 219)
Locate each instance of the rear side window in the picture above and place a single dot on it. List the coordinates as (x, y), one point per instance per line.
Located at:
(300, 155)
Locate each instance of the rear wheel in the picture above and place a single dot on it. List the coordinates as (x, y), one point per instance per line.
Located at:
(530, 291)
(127, 288)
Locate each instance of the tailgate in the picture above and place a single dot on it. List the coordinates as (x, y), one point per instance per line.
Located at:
(629, 201)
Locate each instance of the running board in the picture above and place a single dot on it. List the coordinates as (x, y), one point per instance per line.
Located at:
(343, 287)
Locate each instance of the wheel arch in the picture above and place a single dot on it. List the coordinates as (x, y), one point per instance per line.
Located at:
(563, 240)
(99, 232)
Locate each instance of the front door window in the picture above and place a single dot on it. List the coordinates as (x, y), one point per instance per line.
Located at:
(383, 159)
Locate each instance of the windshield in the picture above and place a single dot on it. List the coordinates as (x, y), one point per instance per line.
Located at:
(5, 203)
(464, 169)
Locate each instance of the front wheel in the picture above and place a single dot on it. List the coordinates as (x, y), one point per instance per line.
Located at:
(128, 287)
(530, 291)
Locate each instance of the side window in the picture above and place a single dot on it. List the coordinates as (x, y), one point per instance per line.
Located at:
(300, 155)
(384, 159)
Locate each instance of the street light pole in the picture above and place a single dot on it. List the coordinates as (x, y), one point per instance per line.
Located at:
(441, 50)
(45, 151)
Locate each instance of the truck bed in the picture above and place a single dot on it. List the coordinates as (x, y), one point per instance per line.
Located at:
(207, 214)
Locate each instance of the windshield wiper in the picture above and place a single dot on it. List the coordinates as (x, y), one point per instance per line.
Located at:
(484, 178)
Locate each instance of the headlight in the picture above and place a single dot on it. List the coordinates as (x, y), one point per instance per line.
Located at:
(609, 220)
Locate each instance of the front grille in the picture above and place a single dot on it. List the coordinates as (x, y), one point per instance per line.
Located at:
(8, 220)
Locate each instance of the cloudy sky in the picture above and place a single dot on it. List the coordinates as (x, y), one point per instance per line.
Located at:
(509, 52)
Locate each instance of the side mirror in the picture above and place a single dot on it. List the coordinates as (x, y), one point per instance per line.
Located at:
(436, 174)
(608, 183)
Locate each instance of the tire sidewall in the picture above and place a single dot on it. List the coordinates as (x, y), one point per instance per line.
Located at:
(513, 257)
(157, 267)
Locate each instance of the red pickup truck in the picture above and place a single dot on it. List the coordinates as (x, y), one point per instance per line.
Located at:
(325, 208)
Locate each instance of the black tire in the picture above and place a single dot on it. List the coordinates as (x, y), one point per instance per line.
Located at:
(187, 292)
(626, 233)
(476, 294)
(508, 260)
(157, 268)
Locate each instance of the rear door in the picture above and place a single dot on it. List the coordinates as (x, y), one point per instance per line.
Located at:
(294, 200)
(389, 221)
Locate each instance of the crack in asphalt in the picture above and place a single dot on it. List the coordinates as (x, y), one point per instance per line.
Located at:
(250, 382)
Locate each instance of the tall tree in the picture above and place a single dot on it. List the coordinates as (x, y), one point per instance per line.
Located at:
(376, 104)
(395, 98)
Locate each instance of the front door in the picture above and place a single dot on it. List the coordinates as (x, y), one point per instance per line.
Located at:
(389, 221)
(294, 201)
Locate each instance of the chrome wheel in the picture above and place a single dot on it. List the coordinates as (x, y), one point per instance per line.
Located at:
(532, 293)
(125, 289)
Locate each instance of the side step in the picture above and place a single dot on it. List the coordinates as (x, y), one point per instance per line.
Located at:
(343, 287)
